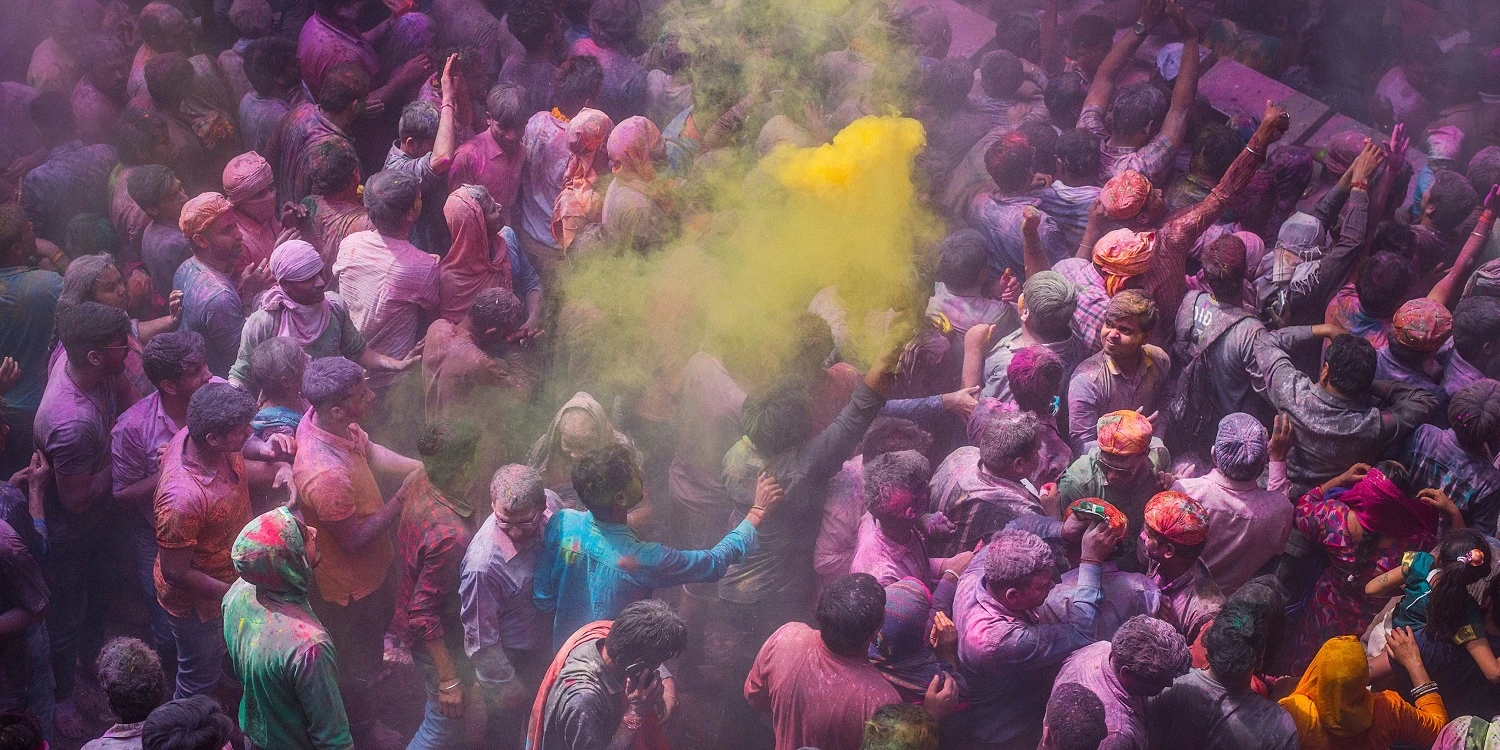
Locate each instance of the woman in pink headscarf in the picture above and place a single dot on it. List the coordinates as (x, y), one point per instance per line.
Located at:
(579, 203)
(249, 185)
(633, 216)
(485, 253)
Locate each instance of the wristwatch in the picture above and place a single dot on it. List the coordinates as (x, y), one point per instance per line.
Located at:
(1140, 28)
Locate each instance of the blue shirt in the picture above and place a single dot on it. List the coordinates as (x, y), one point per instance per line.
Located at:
(74, 180)
(28, 302)
(1435, 459)
(999, 220)
(591, 570)
(211, 306)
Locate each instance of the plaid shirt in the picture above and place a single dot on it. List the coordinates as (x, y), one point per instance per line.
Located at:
(1153, 159)
(1088, 317)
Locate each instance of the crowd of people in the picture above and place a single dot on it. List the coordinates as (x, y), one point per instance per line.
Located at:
(1194, 444)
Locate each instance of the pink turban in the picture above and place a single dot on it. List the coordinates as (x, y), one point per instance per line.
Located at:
(631, 144)
(1122, 254)
(245, 176)
(200, 211)
(1124, 433)
(1125, 195)
(295, 260)
(1422, 324)
(1177, 518)
(1342, 150)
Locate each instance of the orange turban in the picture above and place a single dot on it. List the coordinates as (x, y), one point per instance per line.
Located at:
(1122, 254)
(1117, 520)
(1124, 433)
(200, 211)
(1422, 324)
(1125, 195)
(1177, 518)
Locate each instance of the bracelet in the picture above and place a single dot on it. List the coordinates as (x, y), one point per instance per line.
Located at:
(1486, 216)
(1360, 185)
(1425, 688)
(947, 573)
(453, 686)
(632, 721)
(1253, 151)
(1480, 235)
(447, 105)
(1086, 561)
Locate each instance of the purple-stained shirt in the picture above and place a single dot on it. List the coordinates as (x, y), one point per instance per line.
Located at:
(1099, 387)
(964, 313)
(1010, 657)
(480, 161)
(322, 46)
(1426, 376)
(94, 112)
(258, 118)
(74, 180)
(390, 287)
(1126, 595)
(1190, 601)
(211, 306)
(999, 220)
(1068, 205)
(546, 145)
(889, 560)
(976, 501)
(833, 552)
(1435, 459)
(143, 429)
(163, 249)
(1154, 160)
(1459, 373)
(1124, 714)
(291, 145)
(21, 136)
(1247, 526)
(624, 92)
(497, 611)
(72, 428)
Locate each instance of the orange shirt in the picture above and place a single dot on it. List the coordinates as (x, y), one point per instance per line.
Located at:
(334, 482)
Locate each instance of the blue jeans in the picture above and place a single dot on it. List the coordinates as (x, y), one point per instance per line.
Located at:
(437, 731)
(79, 554)
(143, 548)
(200, 655)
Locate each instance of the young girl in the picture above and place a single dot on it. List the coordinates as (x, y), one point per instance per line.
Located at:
(1434, 594)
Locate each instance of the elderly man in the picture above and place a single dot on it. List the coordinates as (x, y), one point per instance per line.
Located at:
(1143, 659)
(211, 302)
(1046, 310)
(1174, 537)
(890, 545)
(1122, 471)
(1008, 656)
(981, 489)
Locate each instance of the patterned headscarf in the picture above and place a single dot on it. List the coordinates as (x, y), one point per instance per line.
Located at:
(1422, 324)
(579, 202)
(1116, 518)
(1177, 518)
(1468, 733)
(271, 554)
(201, 211)
(1240, 447)
(1125, 195)
(631, 145)
(1342, 150)
(245, 176)
(1124, 433)
(901, 651)
(1122, 254)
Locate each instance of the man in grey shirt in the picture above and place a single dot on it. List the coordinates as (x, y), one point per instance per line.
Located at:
(425, 142)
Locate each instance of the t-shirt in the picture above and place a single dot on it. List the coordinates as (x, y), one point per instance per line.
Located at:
(1419, 572)
(334, 482)
(203, 510)
(28, 301)
(816, 697)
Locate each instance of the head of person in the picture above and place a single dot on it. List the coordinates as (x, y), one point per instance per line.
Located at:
(1462, 75)
(1124, 446)
(1349, 365)
(156, 190)
(519, 502)
(1147, 654)
(812, 346)
(1043, 138)
(106, 64)
(1128, 319)
(505, 111)
(892, 434)
(1476, 333)
(1074, 719)
(418, 128)
(131, 675)
(169, 79)
(17, 238)
(1019, 33)
(52, 114)
(250, 186)
(1019, 570)
(1462, 559)
(1036, 376)
(93, 278)
(946, 84)
(1264, 595)
(646, 634)
(95, 336)
(1224, 264)
(1064, 97)
(1474, 414)
(207, 221)
(1449, 201)
(900, 726)
(175, 362)
(1000, 74)
(447, 449)
(218, 417)
(1419, 328)
(21, 730)
(578, 84)
(962, 258)
(164, 28)
(277, 366)
(195, 723)
(1484, 169)
(276, 552)
(1088, 42)
(340, 12)
(89, 234)
(343, 90)
(535, 24)
(1175, 528)
(1215, 148)
(271, 66)
(298, 271)
(927, 30)
(1241, 447)
(613, 24)
(495, 315)
(140, 137)
(1236, 643)
(394, 201)
(608, 481)
(1047, 303)
(1078, 157)
(337, 390)
(1130, 198)
(72, 21)
(776, 419)
(850, 613)
(1009, 163)
(333, 170)
(252, 19)
(895, 487)
(1009, 446)
(1137, 113)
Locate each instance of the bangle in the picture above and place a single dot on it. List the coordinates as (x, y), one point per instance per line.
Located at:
(632, 721)
(1087, 561)
(1480, 235)
(1360, 185)
(1252, 150)
(947, 573)
(453, 686)
(1425, 688)
(446, 105)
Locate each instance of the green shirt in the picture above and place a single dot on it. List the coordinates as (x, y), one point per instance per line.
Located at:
(1084, 478)
(341, 338)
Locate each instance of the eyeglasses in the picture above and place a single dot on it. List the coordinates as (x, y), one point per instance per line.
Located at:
(526, 524)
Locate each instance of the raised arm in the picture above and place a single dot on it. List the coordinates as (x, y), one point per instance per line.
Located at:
(447, 139)
(1174, 125)
(1446, 291)
(1102, 90)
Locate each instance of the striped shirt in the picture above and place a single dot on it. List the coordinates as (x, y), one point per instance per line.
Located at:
(390, 286)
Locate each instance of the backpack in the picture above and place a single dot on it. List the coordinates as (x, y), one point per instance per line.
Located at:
(1192, 408)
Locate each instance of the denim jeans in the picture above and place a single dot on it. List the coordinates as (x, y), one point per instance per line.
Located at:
(78, 557)
(39, 700)
(143, 550)
(358, 634)
(200, 655)
(437, 731)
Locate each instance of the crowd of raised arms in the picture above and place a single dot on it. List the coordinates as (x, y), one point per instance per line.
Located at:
(318, 434)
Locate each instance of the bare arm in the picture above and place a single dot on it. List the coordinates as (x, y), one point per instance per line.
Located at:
(16, 619)
(354, 534)
(139, 495)
(975, 341)
(1032, 254)
(1446, 291)
(1052, 55)
(446, 143)
(1102, 90)
(1098, 223)
(177, 570)
(1174, 125)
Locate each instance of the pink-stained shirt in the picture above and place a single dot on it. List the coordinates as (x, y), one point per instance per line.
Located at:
(323, 46)
(816, 697)
(138, 434)
(1247, 526)
(292, 144)
(202, 509)
(94, 112)
(833, 553)
(1124, 714)
(961, 484)
(333, 479)
(888, 560)
(259, 239)
(546, 145)
(390, 286)
(479, 161)
(1126, 595)
(1190, 601)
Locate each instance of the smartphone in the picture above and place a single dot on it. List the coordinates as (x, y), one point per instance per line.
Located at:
(1091, 511)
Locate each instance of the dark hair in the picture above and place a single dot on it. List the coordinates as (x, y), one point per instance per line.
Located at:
(156, 25)
(1075, 718)
(1225, 279)
(812, 343)
(447, 448)
(170, 355)
(329, 381)
(13, 223)
(1351, 364)
(195, 723)
(90, 326)
(1474, 413)
(946, 83)
(905, 472)
(1131, 303)
(52, 114)
(20, 730)
(530, 22)
(962, 258)
(579, 79)
(1043, 138)
(1383, 284)
(329, 7)
(1395, 238)
(1135, 108)
(1450, 600)
(1216, 147)
(1476, 322)
(90, 234)
(602, 474)
(1265, 596)
(331, 166)
(169, 78)
(1019, 33)
(1064, 97)
(1036, 377)
(613, 23)
(342, 86)
(266, 60)
(389, 198)
(497, 308)
(218, 409)
(900, 726)
(150, 184)
(646, 632)
(1484, 169)
(1009, 162)
(1078, 153)
(506, 105)
(1001, 74)
(1149, 650)
(100, 50)
(131, 675)
(1235, 641)
(850, 611)
(890, 434)
(1452, 199)
(1464, 70)
(276, 359)
(1091, 32)
(778, 418)
(137, 134)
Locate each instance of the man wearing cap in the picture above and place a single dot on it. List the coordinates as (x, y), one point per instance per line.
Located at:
(1173, 539)
(1046, 311)
(210, 295)
(299, 306)
(1247, 525)
(1122, 471)
(1419, 329)
(1126, 593)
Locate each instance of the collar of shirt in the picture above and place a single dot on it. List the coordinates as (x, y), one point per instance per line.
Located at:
(125, 731)
(1167, 588)
(203, 474)
(1147, 362)
(346, 444)
(1240, 485)
(72, 145)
